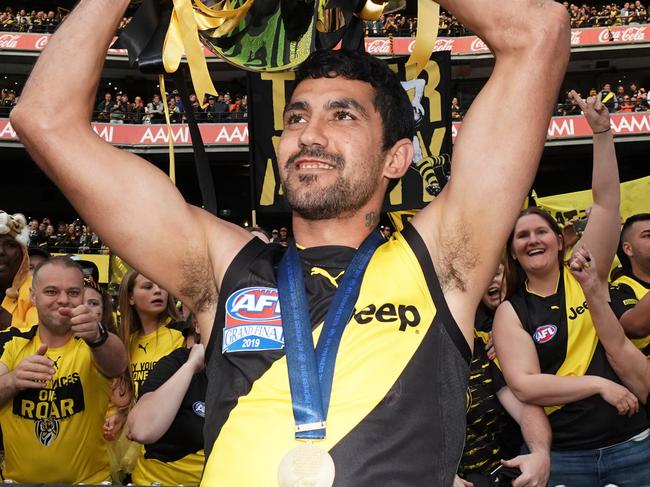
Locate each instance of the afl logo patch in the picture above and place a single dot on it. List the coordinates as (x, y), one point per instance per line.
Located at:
(253, 321)
(199, 408)
(544, 333)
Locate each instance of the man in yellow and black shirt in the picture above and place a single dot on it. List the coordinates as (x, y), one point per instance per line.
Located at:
(630, 298)
(55, 382)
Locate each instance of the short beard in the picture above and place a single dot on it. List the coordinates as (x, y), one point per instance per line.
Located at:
(57, 329)
(334, 201)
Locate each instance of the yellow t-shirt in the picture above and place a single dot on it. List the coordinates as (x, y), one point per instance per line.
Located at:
(54, 435)
(146, 350)
(188, 469)
(23, 312)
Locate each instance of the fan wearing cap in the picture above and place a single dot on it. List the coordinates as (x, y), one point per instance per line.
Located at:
(15, 281)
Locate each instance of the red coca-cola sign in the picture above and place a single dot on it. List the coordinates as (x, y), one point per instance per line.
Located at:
(41, 42)
(623, 34)
(575, 37)
(633, 34)
(383, 46)
(478, 45)
(9, 41)
(379, 46)
(443, 44)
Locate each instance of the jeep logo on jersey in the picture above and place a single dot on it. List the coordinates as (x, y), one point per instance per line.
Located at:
(253, 321)
(544, 333)
(404, 314)
(199, 408)
(578, 310)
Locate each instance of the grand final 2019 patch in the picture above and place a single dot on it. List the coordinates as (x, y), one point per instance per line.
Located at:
(253, 321)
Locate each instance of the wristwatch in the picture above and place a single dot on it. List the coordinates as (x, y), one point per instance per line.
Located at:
(103, 336)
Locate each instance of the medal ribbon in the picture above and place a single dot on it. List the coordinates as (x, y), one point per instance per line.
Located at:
(311, 371)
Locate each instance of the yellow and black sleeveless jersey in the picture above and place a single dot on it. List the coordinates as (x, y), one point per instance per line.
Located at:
(627, 291)
(146, 350)
(561, 328)
(177, 457)
(398, 403)
(54, 435)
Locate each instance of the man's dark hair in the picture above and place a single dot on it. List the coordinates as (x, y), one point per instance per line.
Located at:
(391, 101)
(639, 217)
(625, 231)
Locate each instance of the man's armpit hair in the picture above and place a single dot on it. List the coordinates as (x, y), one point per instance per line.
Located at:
(198, 283)
(458, 256)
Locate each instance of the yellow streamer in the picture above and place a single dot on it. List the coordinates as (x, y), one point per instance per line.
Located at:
(224, 20)
(219, 10)
(425, 38)
(183, 35)
(170, 136)
(372, 10)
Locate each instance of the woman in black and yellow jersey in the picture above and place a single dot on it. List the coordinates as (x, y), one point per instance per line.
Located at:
(170, 414)
(151, 328)
(547, 344)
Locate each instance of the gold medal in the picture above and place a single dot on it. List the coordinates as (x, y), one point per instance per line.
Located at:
(306, 465)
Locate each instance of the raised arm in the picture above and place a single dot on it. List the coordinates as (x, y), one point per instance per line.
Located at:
(497, 152)
(155, 411)
(132, 205)
(629, 363)
(604, 226)
(520, 365)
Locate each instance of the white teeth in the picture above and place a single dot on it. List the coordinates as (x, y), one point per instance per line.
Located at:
(536, 252)
(314, 165)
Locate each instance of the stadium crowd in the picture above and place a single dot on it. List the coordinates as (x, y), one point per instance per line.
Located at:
(394, 24)
(71, 238)
(623, 99)
(632, 98)
(37, 21)
(119, 109)
(224, 108)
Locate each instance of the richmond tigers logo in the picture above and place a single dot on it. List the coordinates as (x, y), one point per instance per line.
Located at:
(46, 430)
